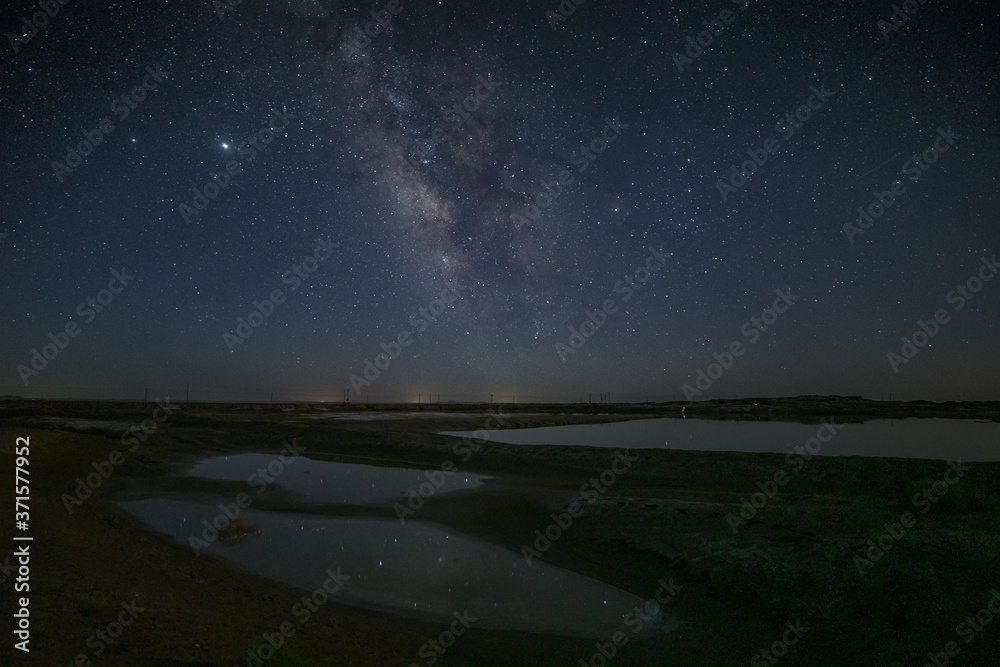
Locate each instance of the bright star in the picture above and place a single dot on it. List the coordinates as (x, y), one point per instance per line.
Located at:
(225, 145)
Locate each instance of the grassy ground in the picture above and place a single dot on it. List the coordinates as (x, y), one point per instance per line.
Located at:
(665, 518)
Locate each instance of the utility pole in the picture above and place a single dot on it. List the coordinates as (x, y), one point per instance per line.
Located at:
(187, 392)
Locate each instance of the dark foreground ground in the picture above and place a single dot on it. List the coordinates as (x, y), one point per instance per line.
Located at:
(795, 561)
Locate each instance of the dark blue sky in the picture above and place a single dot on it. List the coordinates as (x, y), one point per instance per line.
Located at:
(327, 137)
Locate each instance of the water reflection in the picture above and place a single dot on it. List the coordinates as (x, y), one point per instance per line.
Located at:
(328, 482)
(416, 569)
(903, 438)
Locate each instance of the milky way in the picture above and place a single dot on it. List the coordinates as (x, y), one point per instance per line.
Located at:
(536, 160)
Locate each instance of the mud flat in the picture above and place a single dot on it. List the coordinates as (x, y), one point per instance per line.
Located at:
(743, 552)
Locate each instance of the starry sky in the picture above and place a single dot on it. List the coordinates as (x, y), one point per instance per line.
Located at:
(521, 164)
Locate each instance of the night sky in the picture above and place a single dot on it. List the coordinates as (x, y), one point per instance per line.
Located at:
(349, 176)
